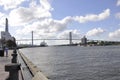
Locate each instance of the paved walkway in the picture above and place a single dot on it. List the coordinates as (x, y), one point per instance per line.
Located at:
(3, 61)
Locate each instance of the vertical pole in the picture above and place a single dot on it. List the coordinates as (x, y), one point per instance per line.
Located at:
(70, 37)
(32, 38)
(6, 25)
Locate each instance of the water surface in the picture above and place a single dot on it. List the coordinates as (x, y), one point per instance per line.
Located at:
(77, 63)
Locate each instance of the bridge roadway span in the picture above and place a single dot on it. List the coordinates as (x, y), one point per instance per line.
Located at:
(28, 70)
(43, 39)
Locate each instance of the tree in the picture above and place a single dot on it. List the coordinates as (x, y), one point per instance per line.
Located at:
(10, 44)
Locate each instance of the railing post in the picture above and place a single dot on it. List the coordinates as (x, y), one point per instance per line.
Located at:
(13, 71)
(14, 59)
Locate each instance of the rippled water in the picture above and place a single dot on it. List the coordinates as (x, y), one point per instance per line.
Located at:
(77, 63)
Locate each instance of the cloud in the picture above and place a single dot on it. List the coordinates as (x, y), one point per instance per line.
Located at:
(117, 15)
(118, 3)
(46, 23)
(35, 12)
(65, 34)
(37, 17)
(115, 34)
(2, 19)
(95, 32)
(60, 25)
(46, 5)
(47, 27)
(1, 29)
(92, 17)
(22, 15)
(10, 4)
(1, 14)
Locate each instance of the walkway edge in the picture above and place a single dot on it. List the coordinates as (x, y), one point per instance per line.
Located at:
(37, 75)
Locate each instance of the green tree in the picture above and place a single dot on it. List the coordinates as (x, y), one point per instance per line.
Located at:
(10, 44)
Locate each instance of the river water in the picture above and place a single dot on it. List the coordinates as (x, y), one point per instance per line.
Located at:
(77, 63)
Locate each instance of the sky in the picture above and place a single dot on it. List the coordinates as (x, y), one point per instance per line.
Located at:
(54, 19)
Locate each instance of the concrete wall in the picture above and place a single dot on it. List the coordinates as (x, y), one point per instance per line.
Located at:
(37, 74)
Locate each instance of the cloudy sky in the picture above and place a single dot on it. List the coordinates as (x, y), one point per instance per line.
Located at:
(56, 18)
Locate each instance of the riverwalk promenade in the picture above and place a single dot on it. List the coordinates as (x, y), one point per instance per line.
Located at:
(4, 61)
(27, 71)
(26, 66)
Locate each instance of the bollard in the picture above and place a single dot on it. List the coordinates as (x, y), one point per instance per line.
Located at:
(14, 59)
(13, 71)
(15, 51)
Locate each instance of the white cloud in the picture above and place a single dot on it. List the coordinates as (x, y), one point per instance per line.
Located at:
(46, 27)
(1, 29)
(1, 14)
(37, 17)
(115, 34)
(10, 4)
(92, 17)
(2, 19)
(22, 15)
(95, 32)
(117, 15)
(19, 16)
(45, 4)
(118, 3)
(34, 12)
(59, 25)
(65, 34)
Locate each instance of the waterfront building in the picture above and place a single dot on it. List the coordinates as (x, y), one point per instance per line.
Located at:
(84, 41)
(5, 35)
